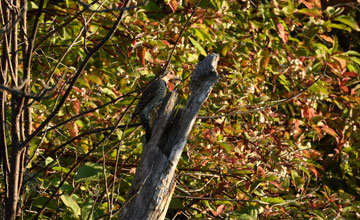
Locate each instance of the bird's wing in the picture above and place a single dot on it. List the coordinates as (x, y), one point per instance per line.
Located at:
(148, 95)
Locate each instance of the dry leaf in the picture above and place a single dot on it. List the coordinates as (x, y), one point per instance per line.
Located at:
(327, 38)
(282, 33)
(141, 54)
(220, 210)
(173, 5)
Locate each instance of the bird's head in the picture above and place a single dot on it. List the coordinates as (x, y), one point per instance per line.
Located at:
(171, 79)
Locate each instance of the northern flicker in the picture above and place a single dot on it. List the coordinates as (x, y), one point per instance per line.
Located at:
(151, 98)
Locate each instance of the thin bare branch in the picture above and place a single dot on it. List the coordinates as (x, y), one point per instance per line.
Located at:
(276, 103)
(88, 7)
(10, 25)
(250, 200)
(82, 66)
(73, 81)
(44, 90)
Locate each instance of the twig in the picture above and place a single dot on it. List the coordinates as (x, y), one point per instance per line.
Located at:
(9, 26)
(44, 91)
(73, 81)
(180, 34)
(268, 106)
(92, 110)
(250, 200)
(88, 7)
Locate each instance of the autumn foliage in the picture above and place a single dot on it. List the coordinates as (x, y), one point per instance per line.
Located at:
(278, 137)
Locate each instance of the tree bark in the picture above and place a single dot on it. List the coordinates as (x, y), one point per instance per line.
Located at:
(153, 183)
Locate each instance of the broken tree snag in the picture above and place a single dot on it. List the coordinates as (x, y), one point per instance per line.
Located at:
(153, 184)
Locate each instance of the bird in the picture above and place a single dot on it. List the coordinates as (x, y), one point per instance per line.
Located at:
(151, 98)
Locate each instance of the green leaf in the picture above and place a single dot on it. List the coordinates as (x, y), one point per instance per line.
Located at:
(313, 12)
(89, 172)
(62, 169)
(94, 78)
(86, 210)
(108, 92)
(305, 170)
(32, 5)
(356, 60)
(316, 119)
(198, 46)
(283, 81)
(228, 147)
(176, 204)
(71, 203)
(348, 20)
(249, 212)
(299, 181)
(273, 200)
(353, 53)
(48, 161)
(341, 27)
(83, 82)
(225, 48)
(64, 34)
(254, 186)
(201, 34)
(256, 24)
(319, 214)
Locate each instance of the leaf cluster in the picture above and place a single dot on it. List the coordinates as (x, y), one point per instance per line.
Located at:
(294, 160)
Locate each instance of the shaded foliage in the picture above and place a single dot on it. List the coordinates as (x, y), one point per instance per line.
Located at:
(298, 159)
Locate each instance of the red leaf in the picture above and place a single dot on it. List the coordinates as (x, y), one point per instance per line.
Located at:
(261, 170)
(119, 5)
(350, 74)
(344, 88)
(173, 5)
(277, 185)
(77, 89)
(341, 61)
(329, 130)
(134, 42)
(266, 62)
(141, 55)
(282, 33)
(166, 43)
(313, 169)
(326, 38)
(352, 92)
(139, 23)
(308, 112)
(213, 212)
(77, 106)
(72, 129)
(307, 4)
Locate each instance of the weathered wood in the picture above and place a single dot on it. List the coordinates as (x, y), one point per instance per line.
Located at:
(153, 183)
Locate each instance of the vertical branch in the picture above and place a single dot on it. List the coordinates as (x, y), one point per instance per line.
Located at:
(25, 111)
(4, 160)
(20, 115)
(27, 52)
(11, 201)
(76, 76)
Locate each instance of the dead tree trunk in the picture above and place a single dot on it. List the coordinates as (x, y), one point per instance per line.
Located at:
(153, 184)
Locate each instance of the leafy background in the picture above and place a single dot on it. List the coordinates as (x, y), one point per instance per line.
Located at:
(298, 159)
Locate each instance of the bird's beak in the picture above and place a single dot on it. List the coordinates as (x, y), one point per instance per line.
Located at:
(176, 80)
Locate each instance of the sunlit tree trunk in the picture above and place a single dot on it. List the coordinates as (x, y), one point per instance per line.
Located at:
(154, 182)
